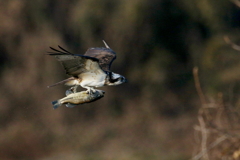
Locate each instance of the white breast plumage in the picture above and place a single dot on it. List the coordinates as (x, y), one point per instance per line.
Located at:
(88, 70)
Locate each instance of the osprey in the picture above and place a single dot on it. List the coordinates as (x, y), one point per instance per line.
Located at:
(89, 70)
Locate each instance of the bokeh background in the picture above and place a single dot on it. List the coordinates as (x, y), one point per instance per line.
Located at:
(158, 42)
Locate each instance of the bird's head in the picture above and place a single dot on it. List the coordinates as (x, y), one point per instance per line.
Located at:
(115, 79)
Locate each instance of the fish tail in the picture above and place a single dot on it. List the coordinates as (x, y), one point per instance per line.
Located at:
(56, 104)
(64, 81)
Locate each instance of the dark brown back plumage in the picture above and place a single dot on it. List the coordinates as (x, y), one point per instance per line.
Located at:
(105, 56)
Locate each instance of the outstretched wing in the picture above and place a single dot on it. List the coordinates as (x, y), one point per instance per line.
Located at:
(105, 56)
(75, 64)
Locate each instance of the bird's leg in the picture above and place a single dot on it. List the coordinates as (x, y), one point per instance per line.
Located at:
(71, 90)
(74, 89)
(90, 90)
(93, 90)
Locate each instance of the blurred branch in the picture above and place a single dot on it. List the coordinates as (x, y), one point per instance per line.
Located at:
(211, 146)
(198, 86)
(200, 117)
(236, 2)
(214, 126)
(233, 45)
(204, 137)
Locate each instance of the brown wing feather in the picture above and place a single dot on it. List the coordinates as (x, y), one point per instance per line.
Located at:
(105, 55)
(74, 64)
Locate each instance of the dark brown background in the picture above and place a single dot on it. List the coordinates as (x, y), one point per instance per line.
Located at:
(157, 42)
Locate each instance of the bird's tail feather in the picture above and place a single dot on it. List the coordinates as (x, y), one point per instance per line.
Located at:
(56, 104)
(64, 81)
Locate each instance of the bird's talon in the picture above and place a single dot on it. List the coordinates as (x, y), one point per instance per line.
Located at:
(88, 91)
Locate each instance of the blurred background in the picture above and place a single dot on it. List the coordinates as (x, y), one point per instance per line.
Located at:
(157, 42)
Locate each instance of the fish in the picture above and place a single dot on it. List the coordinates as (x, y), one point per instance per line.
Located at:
(73, 99)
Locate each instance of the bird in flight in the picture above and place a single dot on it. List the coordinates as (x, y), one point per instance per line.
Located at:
(90, 70)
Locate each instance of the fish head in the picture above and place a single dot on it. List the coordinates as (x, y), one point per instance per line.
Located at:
(98, 93)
